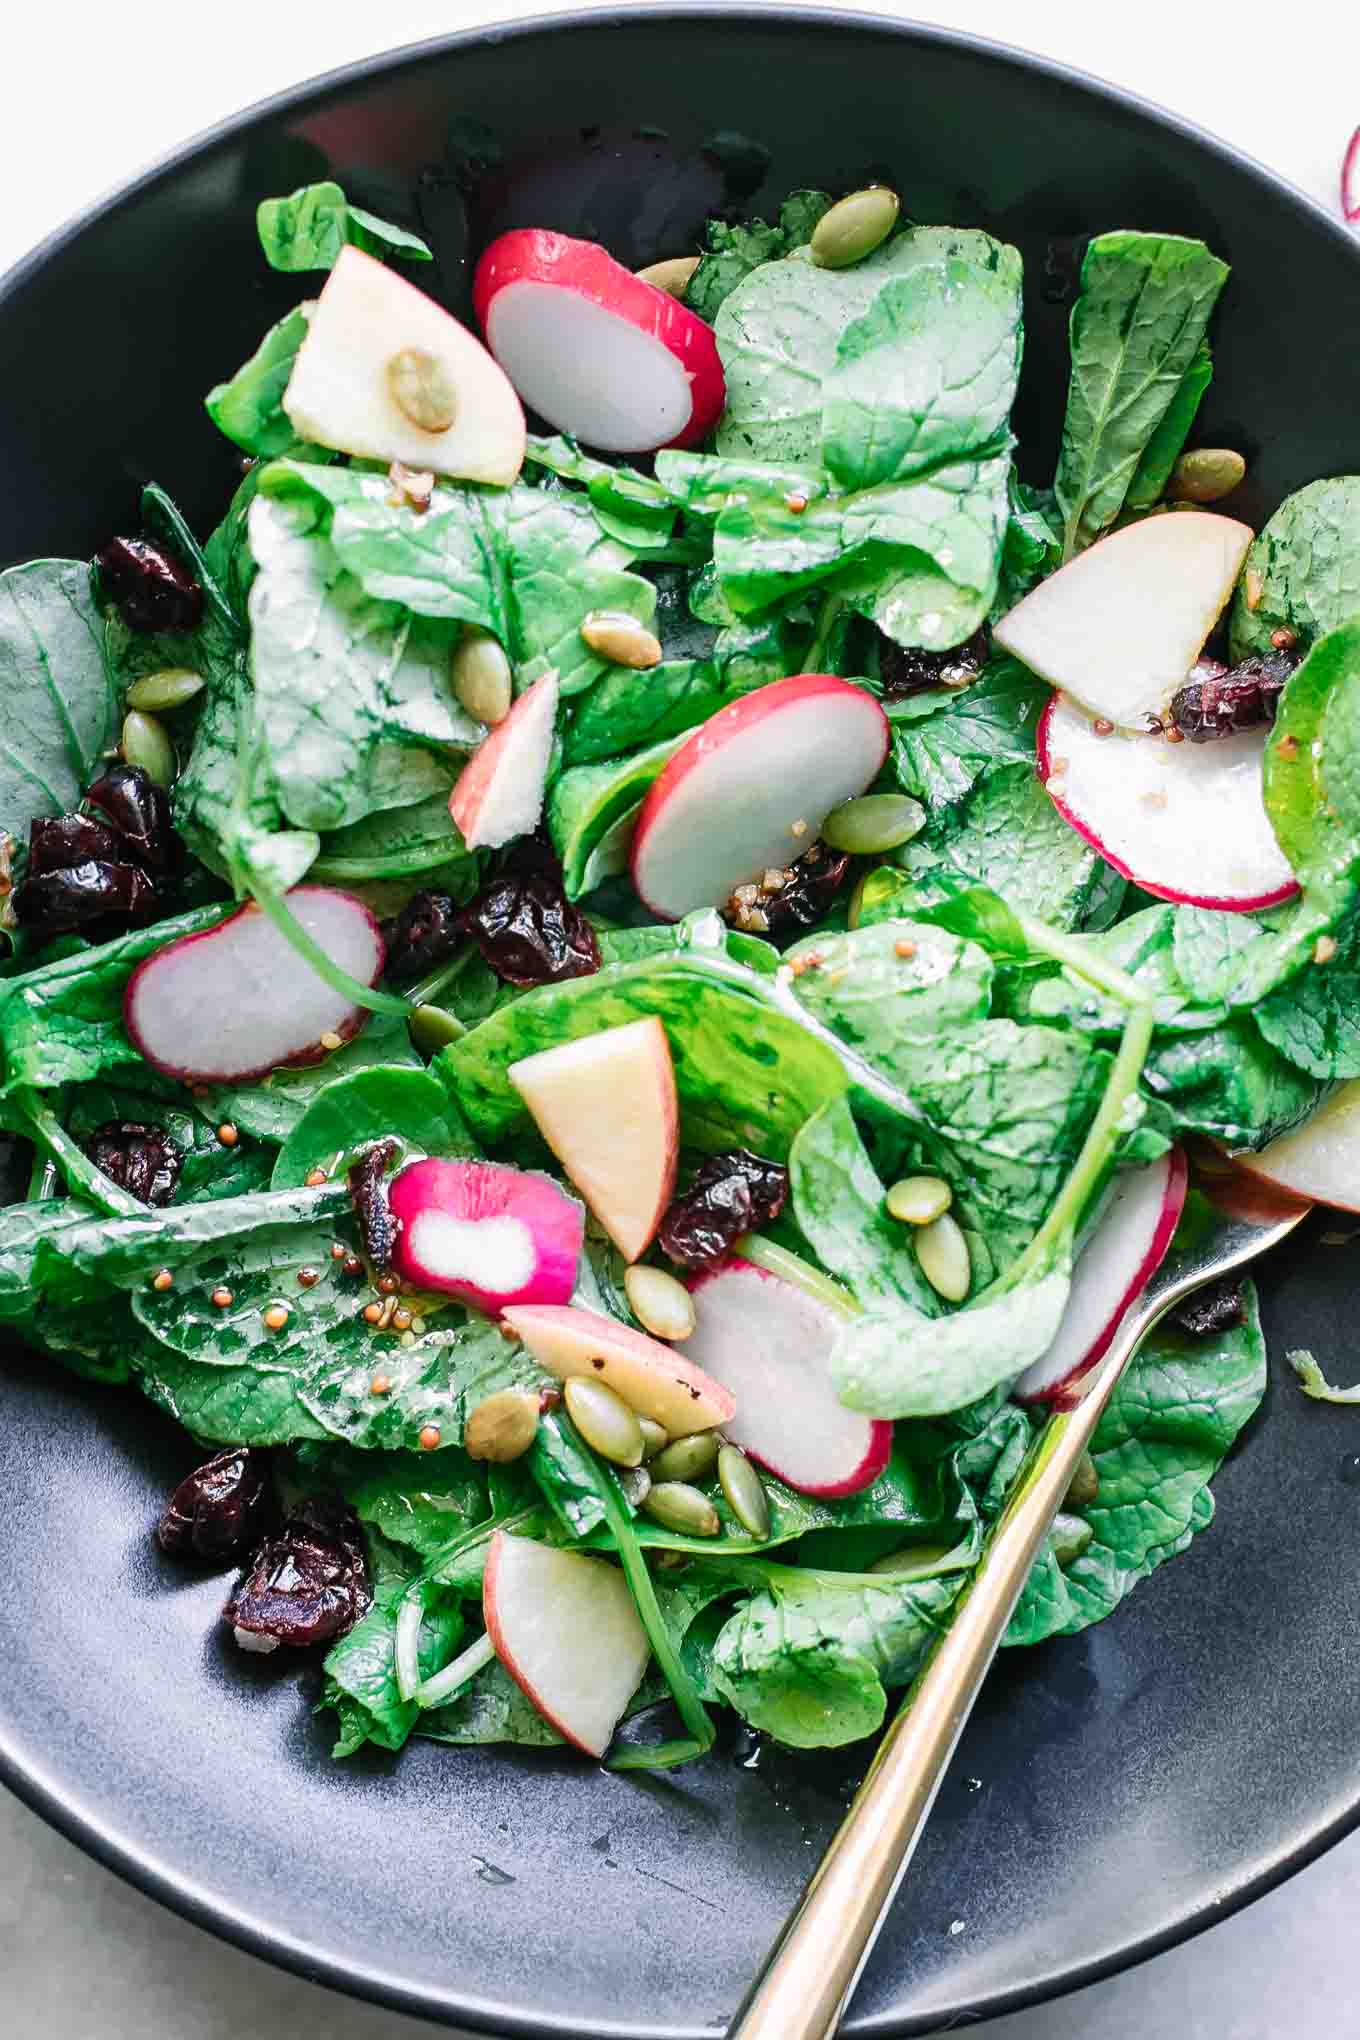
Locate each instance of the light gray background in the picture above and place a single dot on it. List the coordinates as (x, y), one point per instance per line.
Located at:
(94, 93)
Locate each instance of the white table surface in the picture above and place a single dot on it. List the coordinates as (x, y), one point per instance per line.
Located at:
(89, 100)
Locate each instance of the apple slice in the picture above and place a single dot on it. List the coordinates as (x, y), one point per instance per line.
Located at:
(606, 1106)
(595, 350)
(499, 794)
(768, 1341)
(749, 790)
(1119, 627)
(565, 1628)
(1319, 1160)
(1120, 1258)
(1184, 821)
(370, 331)
(652, 1378)
(485, 1232)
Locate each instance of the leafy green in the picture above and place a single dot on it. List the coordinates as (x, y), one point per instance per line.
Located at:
(491, 1708)
(1007, 835)
(361, 1675)
(368, 1105)
(60, 706)
(1306, 563)
(893, 982)
(418, 1500)
(628, 506)
(733, 250)
(587, 799)
(1146, 948)
(1228, 1082)
(308, 229)
(1314, 1382)
(1032, 548)
(208, 1170)
(248, 408)
(1163, 448)
(272, 1108)
(628, 709)
(944, 741)
(414, 842)
(1314, 1020)
(838, 1202)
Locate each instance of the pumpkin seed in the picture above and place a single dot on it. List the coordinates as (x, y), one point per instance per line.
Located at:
(421, 390)
(1206, 474)
(683, 1509)
(481, 675)
(671, 276)
(855, 227)
(912, 1559)
(620, 638)
(874, 822)
(604, 1420)
(502, 1427)
(692, 1458)
(661, 1305)
(431, 1029)
(1069, 1537)
(146, 742)
(654, 1437)
(744, 1491)
(1084, 1486)
(170, 688)
(942, 1252)
(919, 1200)
(636, 1483)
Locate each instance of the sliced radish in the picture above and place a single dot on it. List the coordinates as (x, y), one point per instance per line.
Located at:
(565, 1628)
(768, 1341)
(749, 790)
(1320, 1160)
(1184, 821)
(1350, 179)
(237, 1001)
(595, 350)
(490, 1234)
(500, 790)
(653, 1378)
(368, 330)
(1119, 627)
(1116, 1264)
(606, 1106)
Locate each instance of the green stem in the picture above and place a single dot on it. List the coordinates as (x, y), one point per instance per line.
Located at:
(411, 1613)
(430, 989)
(828, 617)
(43, 1177)
(82, 1178)
(439, 1689)
(359, 870)
(775, 1575)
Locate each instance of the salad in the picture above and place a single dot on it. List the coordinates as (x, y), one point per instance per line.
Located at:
(610, 1016)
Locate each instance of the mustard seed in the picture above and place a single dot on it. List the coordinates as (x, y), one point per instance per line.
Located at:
(429, 1437)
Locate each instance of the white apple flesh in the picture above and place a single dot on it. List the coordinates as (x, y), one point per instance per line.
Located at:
(499, 794)
(565, 1628)
(1186, 822)
(1319, 1160)
(652, 1378)
(1119, 627)
(606, 1106)
(340, 394)
(749, 790)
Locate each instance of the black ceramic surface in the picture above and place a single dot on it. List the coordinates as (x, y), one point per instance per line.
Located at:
(1114, 1791)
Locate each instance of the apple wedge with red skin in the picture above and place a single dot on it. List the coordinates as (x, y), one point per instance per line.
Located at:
(1319, 1160)
(592, 348)
(651, 1377)
(1124, 1252)
(565, 1628)
(485, 1232)
(768, 1340)
(749, 790)
(499, 794)
(232, 1003)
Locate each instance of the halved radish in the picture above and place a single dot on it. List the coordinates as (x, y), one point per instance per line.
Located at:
(500, 790)
(379, 356)
(768, 1341)
(594, 349)
(1319, 1160)
(565, 1628)
(237, 1001)
(1119, 627)
(749, 790)
(490, 1234)
(653, 1378)
(1184, 821)
(1116, 1264)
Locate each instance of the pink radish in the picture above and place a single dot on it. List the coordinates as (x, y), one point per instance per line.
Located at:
(490, 1234)
(749, 790)
(592, 348)
(565, 1628)
(768, 1341)
(656, 1380)
(1184, 821)
(1319, 1160)
(1350, 180)
(237, 1001)
(500, 790)
(1116, 1264)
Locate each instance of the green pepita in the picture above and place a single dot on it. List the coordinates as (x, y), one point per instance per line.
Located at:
(170, 688)
(912, 1559)
(942, 1252)
(873, 823)
(604, 1420)
(661, 1305)
(481, 675)
(1084, 1485)
(636, 1483)
(431, 1029)
(146, 742)
(654, 1437)
(919, 1200)
(682, 1509)
(1069, 1537)
(855, 227)
(620, 638)
(671, 276)
(421, 390)
(1206, 474)
(744, 1491)
(691, 1458)
(502, 1427)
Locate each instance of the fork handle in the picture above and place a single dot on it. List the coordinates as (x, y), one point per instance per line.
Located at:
(806, 1981)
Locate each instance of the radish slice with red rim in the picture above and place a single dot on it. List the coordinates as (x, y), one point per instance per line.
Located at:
(487, 1233)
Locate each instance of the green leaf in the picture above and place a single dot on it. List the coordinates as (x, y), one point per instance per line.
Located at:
(1226, 1081)
(1314, 1020)
(1164, 447)
(249, 407)
(838, 1202)
(491, 1708)
(272, 1108)
(361, 1673)
(1033, 545)
(418, 1500)
(308, 229)
(627, 709)
(60, 707)
(142, 1096)
(588, 799)
(1307, 564)
(877, 998)
(416, 841)
(371, 1104)
(629, 506)
(1008, 836)
(944, 741)
(1145, 947)
(732, 251)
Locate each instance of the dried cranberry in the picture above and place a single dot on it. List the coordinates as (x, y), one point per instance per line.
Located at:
(63, 902)
(365, 1180)
(130, 802)
(909, 669)
(1217, 701)
(69, 840)
(143, 1160)
(152, 590)
(801, 898)
(526, 928)
(424, 933)
(218, 1509)
(308, 1584)
(731, 1195)
(1216, 1308)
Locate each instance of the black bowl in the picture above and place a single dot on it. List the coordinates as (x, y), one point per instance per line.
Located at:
(1115, 1791)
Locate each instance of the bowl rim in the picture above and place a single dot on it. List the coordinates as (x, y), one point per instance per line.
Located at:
(28, 1777)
